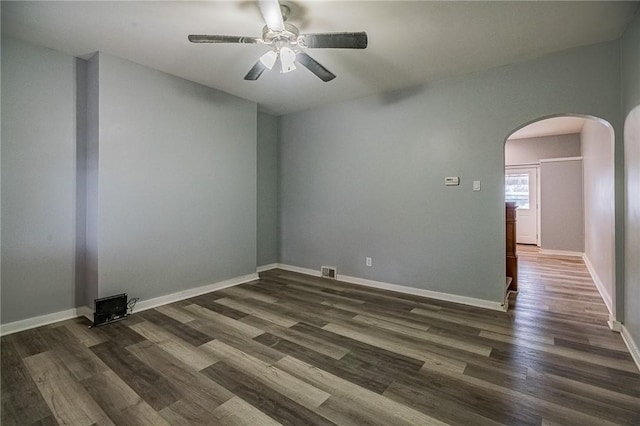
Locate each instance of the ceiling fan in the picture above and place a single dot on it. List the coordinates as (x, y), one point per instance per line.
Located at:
(287, 44)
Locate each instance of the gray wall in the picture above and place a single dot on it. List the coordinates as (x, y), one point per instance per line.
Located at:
(268, 197)
(631, 102)
(365, 178)
(38, 180)
(81, 183)
(599, 204)
(91, 142)
(177, 182)
(532, 150)
(561, 206)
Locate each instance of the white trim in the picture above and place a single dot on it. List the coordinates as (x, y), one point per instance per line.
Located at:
(631, 345)
(614, 325)
(85, 311)
(25, 324)
(560, 160)
(561, 253)
(606, 297)
(521, 165)
(300, 270)
(538, 206)
(192, 292)
(480, 303)
(266, 267)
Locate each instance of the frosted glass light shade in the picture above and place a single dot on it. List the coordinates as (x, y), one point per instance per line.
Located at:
(269, 59)
(287, 57)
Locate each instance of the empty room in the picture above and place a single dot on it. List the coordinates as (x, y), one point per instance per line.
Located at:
(313, 212)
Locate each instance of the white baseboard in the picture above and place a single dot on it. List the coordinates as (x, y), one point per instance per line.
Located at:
(631, 345)
(480, 303)
(606, 297)
(267, 267)
(561, 253)
(85, 311)
(614, 325)
(305, 271)
(143, 305)
(25, 324)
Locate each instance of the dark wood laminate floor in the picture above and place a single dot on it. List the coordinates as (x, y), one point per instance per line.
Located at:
(296, 350)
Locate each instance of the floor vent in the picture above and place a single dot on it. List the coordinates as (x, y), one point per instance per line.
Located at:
(328, 272)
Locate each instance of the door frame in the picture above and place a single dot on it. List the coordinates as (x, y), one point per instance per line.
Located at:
(535, 166)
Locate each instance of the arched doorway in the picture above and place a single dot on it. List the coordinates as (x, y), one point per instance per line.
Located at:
(560, 171)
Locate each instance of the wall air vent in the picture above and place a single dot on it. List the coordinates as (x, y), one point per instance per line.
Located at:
(328, 272)
(110, 309)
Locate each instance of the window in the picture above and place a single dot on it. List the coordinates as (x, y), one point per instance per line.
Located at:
(516, 189)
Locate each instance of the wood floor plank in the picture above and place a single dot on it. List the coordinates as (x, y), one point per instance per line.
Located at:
(22, 402)
(252, 309)
(434, 404)
(142, 414)
(173, 418)
(120, 335)
(280, 381)
(29, 342)
(292, 313)
(385, 359)
(347, 412)
(237, 412)
(380, 407)
(80, 328)
(150, 385)
(272, 403)
(121, 403)
(186, 333)
(209, 301)
(174, 312)
(185, 352)
(389, 330)
(300, 301)
(67, 399)
(308, 341)
(353, 369)
(190, 413)
(422, 355)
(223, 321)
(77, 358)
(616, 408)
(191, 386)
(249, 346)
(247, 293)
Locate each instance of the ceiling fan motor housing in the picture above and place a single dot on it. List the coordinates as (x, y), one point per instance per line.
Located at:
(289, 35)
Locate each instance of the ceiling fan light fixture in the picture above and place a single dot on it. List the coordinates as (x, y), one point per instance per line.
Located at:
(269, 59)
(286, 43)
(287, 58)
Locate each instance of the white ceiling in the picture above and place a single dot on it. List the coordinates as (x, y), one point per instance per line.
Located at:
(410, 42)
(550, 127)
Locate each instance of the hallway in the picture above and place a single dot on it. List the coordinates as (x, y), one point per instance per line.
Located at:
(558, 286)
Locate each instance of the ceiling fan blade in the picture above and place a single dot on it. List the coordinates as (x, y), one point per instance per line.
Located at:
(315, 67)
(357, 40)
(256, 71)
(272, 14)
(202, 38)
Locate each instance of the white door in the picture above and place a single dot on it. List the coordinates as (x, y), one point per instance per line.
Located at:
(521, 187)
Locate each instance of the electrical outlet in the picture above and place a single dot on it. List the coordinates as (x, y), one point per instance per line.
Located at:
(368, 261)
